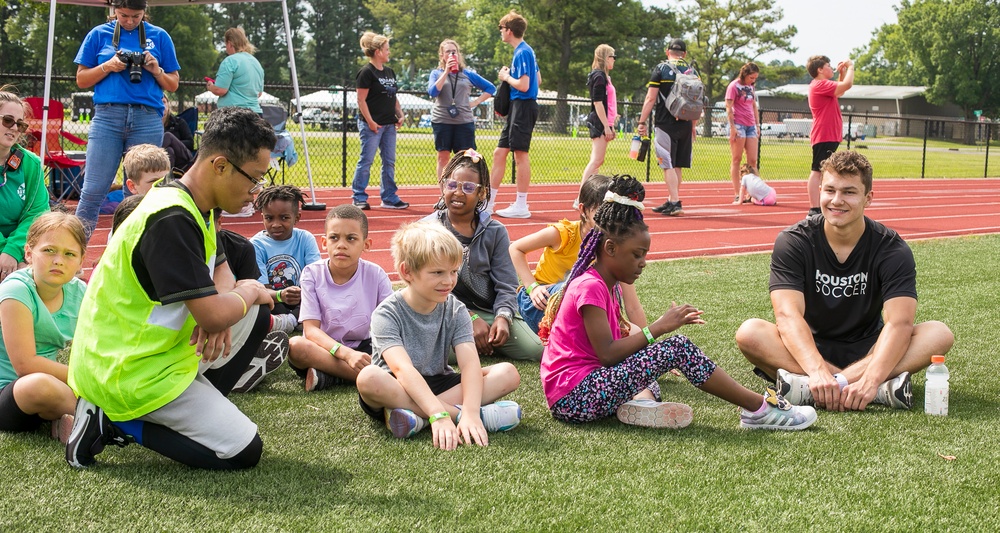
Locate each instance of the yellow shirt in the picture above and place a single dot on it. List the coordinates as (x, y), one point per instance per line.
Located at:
(555, 263)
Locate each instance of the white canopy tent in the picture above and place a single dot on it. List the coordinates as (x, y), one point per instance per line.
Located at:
(208, 98)
(335, 99)
(311, 205)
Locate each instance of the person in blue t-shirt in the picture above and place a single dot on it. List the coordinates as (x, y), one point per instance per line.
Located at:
(129, 63)
(283, 251)
(524, 78)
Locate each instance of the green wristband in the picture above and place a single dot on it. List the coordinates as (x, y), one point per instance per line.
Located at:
(474, 317)
(532, 287)
(649, 336)
(336, 346)
(438, 416)
(278, 296)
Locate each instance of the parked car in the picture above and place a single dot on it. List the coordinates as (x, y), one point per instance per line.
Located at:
(311, 115)
(335, 122)
(773, 130)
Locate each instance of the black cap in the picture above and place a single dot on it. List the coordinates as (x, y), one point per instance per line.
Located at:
(138, 5)
(677, 45)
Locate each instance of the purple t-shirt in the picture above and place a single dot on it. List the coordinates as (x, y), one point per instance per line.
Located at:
(344, 311)
(743, 98)
(569, 356)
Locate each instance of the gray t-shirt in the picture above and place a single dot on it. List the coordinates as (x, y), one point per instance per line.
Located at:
(428, 338)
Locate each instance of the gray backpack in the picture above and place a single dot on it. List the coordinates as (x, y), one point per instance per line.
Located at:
(686, 100)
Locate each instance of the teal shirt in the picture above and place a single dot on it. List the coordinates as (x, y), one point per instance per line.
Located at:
(23, 197)
(52, 330)
(243, 76)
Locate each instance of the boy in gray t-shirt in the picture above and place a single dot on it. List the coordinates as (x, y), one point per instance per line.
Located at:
(409, 383)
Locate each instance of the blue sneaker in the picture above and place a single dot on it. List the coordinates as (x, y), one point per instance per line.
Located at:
(403, 423)
(503, 415)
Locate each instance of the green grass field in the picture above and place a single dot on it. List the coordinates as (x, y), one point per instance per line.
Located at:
(327, 467)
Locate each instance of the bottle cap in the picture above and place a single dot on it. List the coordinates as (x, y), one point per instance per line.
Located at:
(937, 359)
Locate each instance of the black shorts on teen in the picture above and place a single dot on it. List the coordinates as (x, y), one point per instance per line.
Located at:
(454, 138)
(12, 418)
(822, 152)
(594, 125)
(438, 384)
(516, 134)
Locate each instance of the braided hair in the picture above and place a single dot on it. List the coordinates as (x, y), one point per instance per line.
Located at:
(274, 193)
(614, 220)
(473, 160)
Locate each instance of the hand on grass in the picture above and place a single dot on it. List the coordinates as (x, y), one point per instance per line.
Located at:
(209, 346)
(471, 429)
(445, 434)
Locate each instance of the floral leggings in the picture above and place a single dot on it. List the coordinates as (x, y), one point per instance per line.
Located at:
(604, 390)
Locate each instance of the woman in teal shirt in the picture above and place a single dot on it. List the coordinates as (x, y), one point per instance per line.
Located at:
(240, 80)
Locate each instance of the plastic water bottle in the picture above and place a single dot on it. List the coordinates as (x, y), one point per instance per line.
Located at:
(936, 395)
(633, 151)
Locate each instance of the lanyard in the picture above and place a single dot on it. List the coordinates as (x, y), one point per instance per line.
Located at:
(142, 35)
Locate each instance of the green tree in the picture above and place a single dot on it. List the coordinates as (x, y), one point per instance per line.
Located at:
(727, 34)
(333, 56)
(416, 28)
(189, 29)
(265, 28)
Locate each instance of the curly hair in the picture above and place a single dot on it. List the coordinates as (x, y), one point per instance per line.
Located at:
(477, 162)
(274, 193)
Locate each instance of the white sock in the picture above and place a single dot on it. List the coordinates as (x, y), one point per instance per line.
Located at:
(522, 198)
(493, 195)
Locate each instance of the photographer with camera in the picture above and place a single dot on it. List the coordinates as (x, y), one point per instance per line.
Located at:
(129, 63)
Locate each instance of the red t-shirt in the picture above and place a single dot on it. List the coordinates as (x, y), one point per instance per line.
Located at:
(827, 124)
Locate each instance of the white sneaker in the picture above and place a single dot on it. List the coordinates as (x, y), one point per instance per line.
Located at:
(286, 322)
(793, 387)
(779, 414)
(896, 392)
(404, 423)
(247, 211)
(515, 211)
(503, 415)
(654, 414)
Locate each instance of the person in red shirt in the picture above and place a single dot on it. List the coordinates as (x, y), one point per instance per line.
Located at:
(828, 125)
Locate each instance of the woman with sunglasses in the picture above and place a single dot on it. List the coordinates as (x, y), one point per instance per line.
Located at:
(603, 108)
(129, 63)
(23, 196)
(452, 117)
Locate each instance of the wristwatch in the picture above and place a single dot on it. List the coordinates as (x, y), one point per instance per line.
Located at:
(506, 315)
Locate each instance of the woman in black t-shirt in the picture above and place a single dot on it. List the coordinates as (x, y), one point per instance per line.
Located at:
(378, 118)
(603, 108)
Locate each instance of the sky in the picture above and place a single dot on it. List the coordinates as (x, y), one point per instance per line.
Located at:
(830, 28)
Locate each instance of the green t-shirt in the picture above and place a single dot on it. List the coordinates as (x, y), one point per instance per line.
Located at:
(242, 74)
(23, 197)
(52, 330)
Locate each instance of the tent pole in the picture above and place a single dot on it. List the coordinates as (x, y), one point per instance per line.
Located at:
(311, 205)
(43, 146)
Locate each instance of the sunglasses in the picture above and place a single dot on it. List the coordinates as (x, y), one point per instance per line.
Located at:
(613, 57)
(9, 121)
(467, 186)
(258, 184)
(501, 27)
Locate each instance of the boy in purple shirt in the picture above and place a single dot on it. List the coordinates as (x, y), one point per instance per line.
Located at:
(339, 295)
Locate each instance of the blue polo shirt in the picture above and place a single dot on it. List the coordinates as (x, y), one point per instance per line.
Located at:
(524, 63)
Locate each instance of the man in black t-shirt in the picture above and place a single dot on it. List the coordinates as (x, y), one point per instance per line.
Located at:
(674, 139)
(843, 288)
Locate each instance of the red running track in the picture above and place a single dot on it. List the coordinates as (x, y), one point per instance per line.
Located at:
(710, 225)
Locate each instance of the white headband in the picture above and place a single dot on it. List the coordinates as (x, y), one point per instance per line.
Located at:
(619, 199)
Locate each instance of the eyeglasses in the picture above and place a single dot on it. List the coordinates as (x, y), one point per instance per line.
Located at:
(468, 187)
(258, 184)
(501, 27)
(9, 121)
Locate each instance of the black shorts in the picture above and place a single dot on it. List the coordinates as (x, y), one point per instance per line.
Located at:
(844, 354)
(822, 152)
(595, 126)
(12, 418)
(454, 138)
(438, 384)
(516, 134)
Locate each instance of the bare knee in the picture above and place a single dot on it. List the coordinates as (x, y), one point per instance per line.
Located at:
(41, 393)
(938, 335)
(371, 381)
(750, 334)
(507, 376)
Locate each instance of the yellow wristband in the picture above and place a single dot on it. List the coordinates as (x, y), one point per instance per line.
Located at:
(649, 336)
(242, 300)
(278, 296)
(438, 416)
(336, 346)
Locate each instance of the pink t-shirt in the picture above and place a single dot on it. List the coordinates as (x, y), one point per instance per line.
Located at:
(612, 104)
(569, 356)
(743, 98)
(827, 126)
(344, 311)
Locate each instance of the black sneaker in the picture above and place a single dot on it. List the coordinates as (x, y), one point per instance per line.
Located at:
(673, 209)
(272, 352)
(317, 380)
(395, 205)
(362, 205)
(814, 211)
(92, 432)
(660, 208)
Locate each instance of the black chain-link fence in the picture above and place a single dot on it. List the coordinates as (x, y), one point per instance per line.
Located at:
(898, 146)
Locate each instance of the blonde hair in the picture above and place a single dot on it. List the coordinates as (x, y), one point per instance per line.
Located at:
(52, 220)
(371, 42)
(7, 95)
(238, 38)
(442, 60)
(746, 168)
(418, 243)
(143, 158)
(601, 54)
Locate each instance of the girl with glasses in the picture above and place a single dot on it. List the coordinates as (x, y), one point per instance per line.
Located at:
(23, 196)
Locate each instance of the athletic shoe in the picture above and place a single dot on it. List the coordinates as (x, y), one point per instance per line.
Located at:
(653, 414)
(404, 423)
(61, 428)
(247, 211)
(362, 205)
(394, 205)
(896, 392)
(515, 210)
(92, 432)
(317, 380)
(503, 415)
(814, 211)
(778, 414)
(672, 209)
(272, 352)
(286, 322)
(661, 207)
(793, 387)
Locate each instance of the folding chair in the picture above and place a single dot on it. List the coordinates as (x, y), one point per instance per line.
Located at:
(284, 150)
(65, 172)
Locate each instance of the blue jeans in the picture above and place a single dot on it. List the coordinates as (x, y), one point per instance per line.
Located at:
(385, 141)
(114, 129)
(531, 315)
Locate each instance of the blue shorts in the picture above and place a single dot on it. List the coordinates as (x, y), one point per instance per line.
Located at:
(454, 137)
(746, 132)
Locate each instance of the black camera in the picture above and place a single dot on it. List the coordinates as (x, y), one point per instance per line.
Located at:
(134, 62)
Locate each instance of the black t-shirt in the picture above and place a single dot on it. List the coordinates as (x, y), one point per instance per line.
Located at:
(597, 81)
(662, 77)
(169, 259)
(843, 300)
(181, 130)
(240, 254)
(381, 99)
